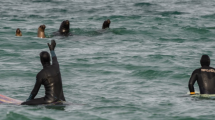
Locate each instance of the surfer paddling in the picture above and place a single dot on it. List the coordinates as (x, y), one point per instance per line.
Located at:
(205, 77)
(50, 77)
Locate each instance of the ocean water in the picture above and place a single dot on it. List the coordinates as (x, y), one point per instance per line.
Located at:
(137, 70)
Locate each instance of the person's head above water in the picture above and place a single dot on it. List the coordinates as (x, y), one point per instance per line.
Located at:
(106, 24)
(45, 58)
(64, 27)
(205, 60)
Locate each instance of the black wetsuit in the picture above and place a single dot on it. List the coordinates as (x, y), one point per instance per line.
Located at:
(205, 77)
(50, 77)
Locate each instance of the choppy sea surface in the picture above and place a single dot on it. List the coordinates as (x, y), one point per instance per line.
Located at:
(137, 70)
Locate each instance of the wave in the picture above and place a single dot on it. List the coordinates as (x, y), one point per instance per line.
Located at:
(143, 4)
(151, 74)
(200, 30)
(169, 13)
(179, 40)
(212, 16)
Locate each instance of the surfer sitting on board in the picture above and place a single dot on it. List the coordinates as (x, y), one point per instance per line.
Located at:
(205, 77)
(50, 77)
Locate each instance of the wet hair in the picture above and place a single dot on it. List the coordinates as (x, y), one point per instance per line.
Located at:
(45, 58)
(205, 60)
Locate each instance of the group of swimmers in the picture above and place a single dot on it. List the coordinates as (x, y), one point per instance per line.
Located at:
(63, 30)
(50, 75)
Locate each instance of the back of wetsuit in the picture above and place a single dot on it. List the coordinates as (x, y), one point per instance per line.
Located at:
(50, 77)
(205, 77)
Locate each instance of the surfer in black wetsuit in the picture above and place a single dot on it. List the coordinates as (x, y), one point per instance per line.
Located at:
(50, 77)
(205, 77)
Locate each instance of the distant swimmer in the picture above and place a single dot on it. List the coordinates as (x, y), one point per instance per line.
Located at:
(205, 77)
(64, 28)
(18, 32)
(41, 31)
(106, 24)
(50, 77)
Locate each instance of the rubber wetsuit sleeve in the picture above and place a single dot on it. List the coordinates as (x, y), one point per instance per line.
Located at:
(36, 89)
(192, 81)
(29, 98)
(54, 58)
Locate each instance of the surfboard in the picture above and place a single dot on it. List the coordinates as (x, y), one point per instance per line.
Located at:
(204, 96)
(8, 100)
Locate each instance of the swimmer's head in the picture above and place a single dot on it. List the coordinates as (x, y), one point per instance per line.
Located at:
(45, 58)
(205, 60)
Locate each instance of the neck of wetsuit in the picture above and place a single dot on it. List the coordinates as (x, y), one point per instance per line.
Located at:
(206, 66)
(46, 65)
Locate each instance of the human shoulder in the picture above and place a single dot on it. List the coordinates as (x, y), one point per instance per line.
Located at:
(40, 74)
(212, 68)
(197, 70)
